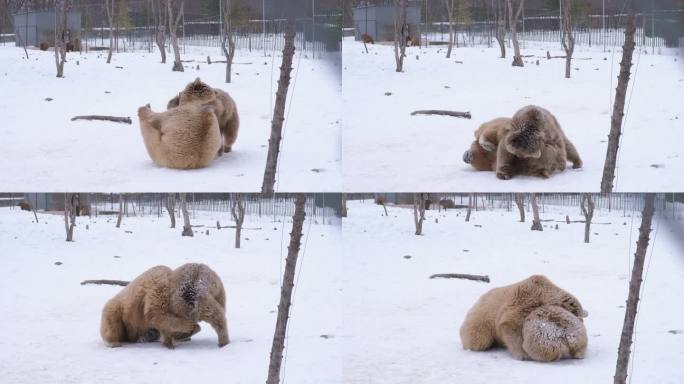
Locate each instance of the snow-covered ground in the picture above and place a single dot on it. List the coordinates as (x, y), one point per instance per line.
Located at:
(402, 327)
(52, 323)
(387, 149)
(41, 149)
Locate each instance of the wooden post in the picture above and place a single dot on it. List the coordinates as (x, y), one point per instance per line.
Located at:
(286, 291)
(634, 289)
(618, 106)
(267, 186)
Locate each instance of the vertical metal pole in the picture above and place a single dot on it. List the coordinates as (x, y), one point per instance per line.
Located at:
(603, 19)
(523, 25)
(263, 24)
(313, 29)
(221, 23)
(652, 29)
(560, 21)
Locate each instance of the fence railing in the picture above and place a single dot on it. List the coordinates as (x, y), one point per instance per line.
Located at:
(589, 31)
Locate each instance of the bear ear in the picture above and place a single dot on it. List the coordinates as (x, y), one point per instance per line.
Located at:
(197, 80)
(585, 313)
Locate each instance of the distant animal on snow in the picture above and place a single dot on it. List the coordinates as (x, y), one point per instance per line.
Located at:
(368, 39)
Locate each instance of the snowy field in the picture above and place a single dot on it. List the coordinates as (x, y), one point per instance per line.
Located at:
(387, 149)
(403, 328)
(43, 150)
(53, 323)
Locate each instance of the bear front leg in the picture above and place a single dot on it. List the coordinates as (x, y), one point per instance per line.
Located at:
(509, 329)
(504, 163)
(213, 313)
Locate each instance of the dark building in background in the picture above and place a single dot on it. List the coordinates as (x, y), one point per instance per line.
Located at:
(36, 28)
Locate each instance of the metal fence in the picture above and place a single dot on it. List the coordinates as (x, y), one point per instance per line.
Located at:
(313, 36)
(589, 31)
(671, 205)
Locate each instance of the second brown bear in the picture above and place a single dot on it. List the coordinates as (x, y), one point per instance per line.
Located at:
(198, 92)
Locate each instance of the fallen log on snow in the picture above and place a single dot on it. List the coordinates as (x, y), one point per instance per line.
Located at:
(115, 119)
(210, 61)
(482, 278)
(106, 282)
(465, 115)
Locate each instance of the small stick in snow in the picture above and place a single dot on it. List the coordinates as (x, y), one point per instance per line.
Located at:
(482, 278)
(465, 115)
(116, 119)
(108, 282)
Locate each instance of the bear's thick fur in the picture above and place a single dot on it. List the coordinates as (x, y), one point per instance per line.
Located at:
(551, 333)
(532, 144)
(185, 137)
(498, 315)
(168, 304)
(220, 101)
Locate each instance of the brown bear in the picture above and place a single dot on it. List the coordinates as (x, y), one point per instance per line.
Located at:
(551, 333)
(167, 304)
(220, 101)
(185, 137)
(368, 39)
(498, 315)
(24, 206)
(526, 149)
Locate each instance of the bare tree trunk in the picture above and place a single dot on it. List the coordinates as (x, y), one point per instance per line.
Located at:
(513, 21)
(520, 203)
(267, 187)
(471, 197)
(187, 228)
(60, 34)
(286, 291)
(587, 206)
(171, 208)
(618, 106)
(160, 28)
(634, 289)
(418, 212)
(121, 205)
(173, 27)
(536, 221)
(400, 33)
(227, 36)
(237, 209)
(568, 39)
(500, 18)
(69, 216)
(449, 4)
(109, 7)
